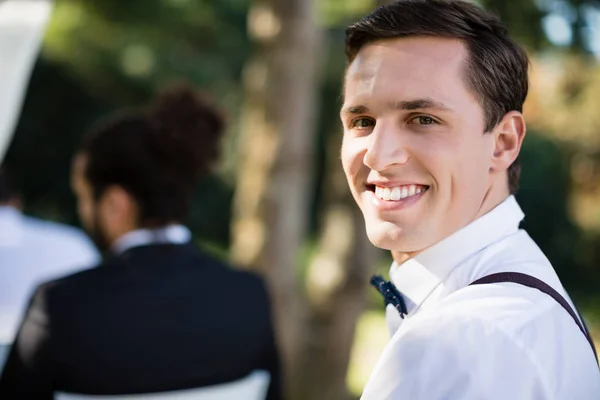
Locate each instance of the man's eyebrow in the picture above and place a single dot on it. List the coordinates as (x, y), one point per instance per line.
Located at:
(353, 110)
(419, 104)
(408, 105)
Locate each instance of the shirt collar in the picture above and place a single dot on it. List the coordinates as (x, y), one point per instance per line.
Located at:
(419, 276)
(170, 234)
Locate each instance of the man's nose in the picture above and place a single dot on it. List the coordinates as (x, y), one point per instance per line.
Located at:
(386, 147)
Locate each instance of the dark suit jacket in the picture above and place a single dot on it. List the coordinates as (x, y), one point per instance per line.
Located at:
(157, 318)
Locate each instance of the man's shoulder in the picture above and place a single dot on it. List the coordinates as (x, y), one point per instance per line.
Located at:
(506, 307)
(475, 323)
(506, 317)
(517, 249)
(232, 274)
(246, 277)
(113, 274)
(78, 281)
(452, 347)
(246, 284)
(502, 327)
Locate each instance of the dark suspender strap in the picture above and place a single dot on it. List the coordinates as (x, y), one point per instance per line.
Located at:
(530, 281)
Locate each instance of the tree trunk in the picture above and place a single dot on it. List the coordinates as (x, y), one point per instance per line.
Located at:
(316, 318)
(271, 204)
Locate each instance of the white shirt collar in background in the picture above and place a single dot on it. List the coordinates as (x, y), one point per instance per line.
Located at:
(173, 234)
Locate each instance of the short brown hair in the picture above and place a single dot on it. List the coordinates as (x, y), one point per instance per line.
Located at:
(496, 70)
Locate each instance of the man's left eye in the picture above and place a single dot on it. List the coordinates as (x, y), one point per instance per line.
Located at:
(423, 120)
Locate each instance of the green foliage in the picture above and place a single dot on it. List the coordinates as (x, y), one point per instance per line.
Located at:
(125, 50)
(340, 12)
(55, 113)
(101, 56)
(544, 198)
(523, 20)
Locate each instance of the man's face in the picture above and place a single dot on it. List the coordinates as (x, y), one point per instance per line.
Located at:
(414, 149)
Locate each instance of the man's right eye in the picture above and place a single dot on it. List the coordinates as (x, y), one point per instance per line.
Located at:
(362, 123)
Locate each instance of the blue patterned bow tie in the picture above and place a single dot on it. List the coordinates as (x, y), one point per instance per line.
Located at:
(390, 293)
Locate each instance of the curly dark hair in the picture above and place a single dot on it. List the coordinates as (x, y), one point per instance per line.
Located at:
(157, 153)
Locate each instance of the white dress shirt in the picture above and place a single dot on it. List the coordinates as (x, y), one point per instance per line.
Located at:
(33, 251)
(499, 341)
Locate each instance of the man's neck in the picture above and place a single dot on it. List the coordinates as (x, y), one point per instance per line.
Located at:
(491, 200)
(13, 203)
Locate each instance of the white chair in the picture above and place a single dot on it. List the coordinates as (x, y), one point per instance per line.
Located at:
(252, 387)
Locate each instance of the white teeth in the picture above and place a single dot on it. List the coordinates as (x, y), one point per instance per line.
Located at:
(398, 192)
(387, 194)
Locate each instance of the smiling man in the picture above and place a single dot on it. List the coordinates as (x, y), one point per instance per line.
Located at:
(433, 96)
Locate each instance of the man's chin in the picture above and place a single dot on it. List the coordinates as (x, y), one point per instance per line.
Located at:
(388, 236)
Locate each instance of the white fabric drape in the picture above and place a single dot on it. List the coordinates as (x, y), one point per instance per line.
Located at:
(22, 26)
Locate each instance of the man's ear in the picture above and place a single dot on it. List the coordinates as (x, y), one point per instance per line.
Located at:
(508, 138)
(118, 203)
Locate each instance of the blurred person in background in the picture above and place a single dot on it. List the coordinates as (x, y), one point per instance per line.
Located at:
(159, 315)
(32, 251)
(433, 126)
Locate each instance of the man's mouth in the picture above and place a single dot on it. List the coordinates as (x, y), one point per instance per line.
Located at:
(397, 193)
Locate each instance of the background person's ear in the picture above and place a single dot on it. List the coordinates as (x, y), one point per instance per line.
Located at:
(119, 204)
(508, 138)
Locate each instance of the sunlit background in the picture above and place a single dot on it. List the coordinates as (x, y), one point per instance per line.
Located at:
(279, 200)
